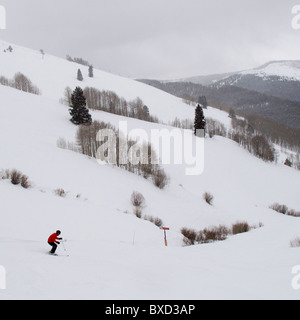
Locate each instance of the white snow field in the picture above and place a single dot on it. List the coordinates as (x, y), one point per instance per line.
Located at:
(284, 69)
(112, 253)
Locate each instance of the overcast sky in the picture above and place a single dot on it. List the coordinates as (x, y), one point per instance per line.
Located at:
(159, 39)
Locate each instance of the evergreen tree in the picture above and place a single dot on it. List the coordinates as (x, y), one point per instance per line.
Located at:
(91, 72)
(200, 122)
(79, 112)
(79, 75)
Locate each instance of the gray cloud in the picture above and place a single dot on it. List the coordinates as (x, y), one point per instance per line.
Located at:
(154, 38)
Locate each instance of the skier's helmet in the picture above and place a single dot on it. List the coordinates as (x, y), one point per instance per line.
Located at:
(58, 232)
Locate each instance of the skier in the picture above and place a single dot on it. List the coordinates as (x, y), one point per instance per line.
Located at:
(53, 241)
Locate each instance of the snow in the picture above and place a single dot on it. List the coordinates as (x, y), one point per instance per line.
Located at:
(283, 69)
(53, 75)
(113, 254)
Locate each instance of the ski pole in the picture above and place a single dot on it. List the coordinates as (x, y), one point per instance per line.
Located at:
(63, 243)
(64, 246)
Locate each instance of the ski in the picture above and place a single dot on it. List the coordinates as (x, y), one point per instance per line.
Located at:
(58, 255)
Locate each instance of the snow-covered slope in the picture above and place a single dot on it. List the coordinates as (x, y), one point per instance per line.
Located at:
(274, 71)
(52, 75)
(114, 255)
(288, 69)
(284, 69)
(276, 78)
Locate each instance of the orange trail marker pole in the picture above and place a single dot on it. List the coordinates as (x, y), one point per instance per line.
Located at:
(165, 234)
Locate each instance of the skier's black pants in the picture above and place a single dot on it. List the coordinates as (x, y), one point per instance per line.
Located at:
(54, 247)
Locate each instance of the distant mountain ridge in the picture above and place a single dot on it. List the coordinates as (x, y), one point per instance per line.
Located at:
(271, 90)
(277, 78)
(285, 69)
(204, 80)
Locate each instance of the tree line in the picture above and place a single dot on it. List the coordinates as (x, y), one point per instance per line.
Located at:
(121, 151)
(109, 101)
(20, 82)
(244, 101)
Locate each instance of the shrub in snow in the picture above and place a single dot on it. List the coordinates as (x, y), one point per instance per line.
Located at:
(212, 234)
(295, 243)
(9, 49)
(15, 177)
(208, 198)
(240, 227)
(293, 213)
(281, 208)
(160, 178)
(138, 200)
(25, 182)
(138, 212)
(157, 221)
(5, 174)
(60, 192)
(288, 163)
(190, 236)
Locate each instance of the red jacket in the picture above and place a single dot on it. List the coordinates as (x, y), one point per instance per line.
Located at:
(53, 238)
